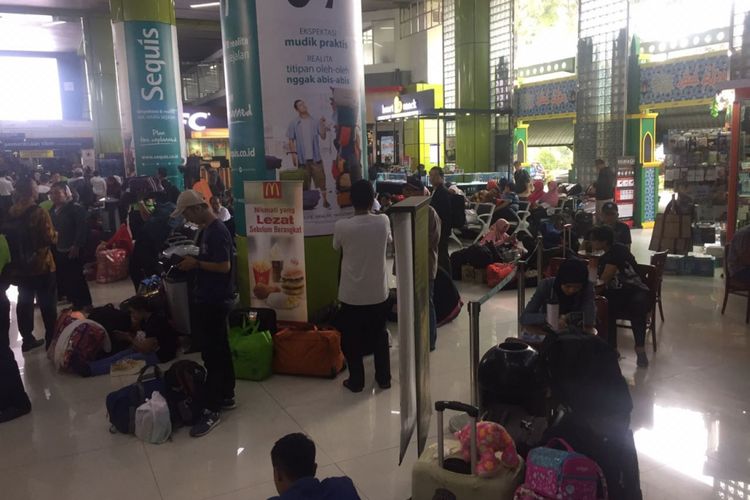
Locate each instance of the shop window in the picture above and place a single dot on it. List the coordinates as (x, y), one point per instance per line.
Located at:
(420, 16)
(378, 40)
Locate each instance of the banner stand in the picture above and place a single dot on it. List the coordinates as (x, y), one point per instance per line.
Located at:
(409, 219)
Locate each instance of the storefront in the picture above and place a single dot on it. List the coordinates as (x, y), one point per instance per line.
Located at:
(207, 138)
(408, 131)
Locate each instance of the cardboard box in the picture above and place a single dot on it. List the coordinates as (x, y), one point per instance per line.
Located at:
(467, 273)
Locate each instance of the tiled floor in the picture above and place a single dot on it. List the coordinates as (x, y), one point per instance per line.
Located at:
(691, 419)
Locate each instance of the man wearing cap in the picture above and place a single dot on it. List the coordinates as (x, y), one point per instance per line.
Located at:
(611, 217)
(213, 297)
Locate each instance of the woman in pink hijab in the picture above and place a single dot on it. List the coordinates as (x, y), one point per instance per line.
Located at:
(538, 192)
(498, 233)
(551, 197)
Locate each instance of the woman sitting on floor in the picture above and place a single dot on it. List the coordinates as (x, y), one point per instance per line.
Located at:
(155, 341)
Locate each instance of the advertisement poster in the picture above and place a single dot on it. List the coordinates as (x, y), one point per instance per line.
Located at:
(151, 113)
(311, 76)
(276, 248)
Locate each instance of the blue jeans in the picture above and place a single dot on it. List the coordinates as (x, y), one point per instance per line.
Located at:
(433, 317)
(102, 366)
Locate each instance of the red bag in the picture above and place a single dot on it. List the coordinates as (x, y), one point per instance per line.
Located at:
(111, 265)
(121, 239)
(85, 341)
(303, 349)
(498, 272)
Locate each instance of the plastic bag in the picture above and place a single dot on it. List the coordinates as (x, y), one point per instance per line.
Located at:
(152, 421)
(252, 352)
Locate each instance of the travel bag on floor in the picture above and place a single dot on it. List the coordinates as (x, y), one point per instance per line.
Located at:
(252, 351)
(152, 420)
(561, 474)
(111, 265)
(123, 403)
(303, 349)
(82, 339)
(431, 479)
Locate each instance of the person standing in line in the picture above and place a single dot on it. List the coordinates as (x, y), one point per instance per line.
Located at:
(69, 220)
(36, 279)
(304, 134)
(363, 288)
(172, 192)
(14, 402)
(6, 193)
(604, 187)
(521, 179)
(441, 202)
(98, 186)
(415, 187)
(214, 293)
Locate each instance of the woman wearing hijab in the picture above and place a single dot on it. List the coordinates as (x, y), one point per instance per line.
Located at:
(572, 291)
(498, 233)
(537, 193)
(551, 198)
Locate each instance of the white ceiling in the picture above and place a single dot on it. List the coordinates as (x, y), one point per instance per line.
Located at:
(32, 32)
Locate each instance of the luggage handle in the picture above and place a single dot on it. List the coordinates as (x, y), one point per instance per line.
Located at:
(473, 412)
(561, 442)
(157, 373)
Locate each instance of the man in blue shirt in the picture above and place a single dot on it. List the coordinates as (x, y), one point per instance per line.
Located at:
(214, 291)
(304, 134)
(294, 467)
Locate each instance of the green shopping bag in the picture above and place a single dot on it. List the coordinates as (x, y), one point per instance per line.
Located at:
(252, 352)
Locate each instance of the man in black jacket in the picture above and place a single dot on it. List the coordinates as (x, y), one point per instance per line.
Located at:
(604, 187)
(69, 220)
(441, 202)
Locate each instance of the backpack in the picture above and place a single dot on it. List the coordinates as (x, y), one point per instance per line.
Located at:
(20, 242)
(184, 383)
(584, 374)
(561, 474)
(123, 403)
(152, 422)
(458, 211)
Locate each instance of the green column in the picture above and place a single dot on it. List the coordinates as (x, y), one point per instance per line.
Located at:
(473, 132)
(100, 72)
(148, 75)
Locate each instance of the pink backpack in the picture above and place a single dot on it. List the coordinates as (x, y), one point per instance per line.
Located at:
(553, 473)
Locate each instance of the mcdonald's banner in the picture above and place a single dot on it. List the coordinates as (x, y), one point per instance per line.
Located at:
(276, 247)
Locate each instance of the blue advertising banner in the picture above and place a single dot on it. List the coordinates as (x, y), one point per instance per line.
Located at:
(684, 80)
(553, 98)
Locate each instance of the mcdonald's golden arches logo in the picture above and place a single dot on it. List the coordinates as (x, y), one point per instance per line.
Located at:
(272, 190)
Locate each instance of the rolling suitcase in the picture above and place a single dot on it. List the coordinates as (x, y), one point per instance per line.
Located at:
(431, 479)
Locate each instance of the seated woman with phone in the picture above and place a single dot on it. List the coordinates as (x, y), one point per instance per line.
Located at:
(561, 302)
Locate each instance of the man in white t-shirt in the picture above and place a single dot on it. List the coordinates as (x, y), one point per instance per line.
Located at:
(363, 288)
(98, 185)
(304, 134)
(6, 192)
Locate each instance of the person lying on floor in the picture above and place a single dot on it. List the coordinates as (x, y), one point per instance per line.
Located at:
(155, 341)
(572, 291)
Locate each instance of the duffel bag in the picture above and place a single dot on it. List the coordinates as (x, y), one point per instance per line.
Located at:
(252, 352)
(497, 273)
(123, 403)
(83, 339)
(304, 349)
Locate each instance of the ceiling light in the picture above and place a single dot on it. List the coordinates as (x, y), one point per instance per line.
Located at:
(707, 39)
(549, 67)
(204, 5)
(564, 65)
(673, 45)
(557, 66)
(720, 36)
(696, 40)
(662, 47)
(652, 48)
(53, 23)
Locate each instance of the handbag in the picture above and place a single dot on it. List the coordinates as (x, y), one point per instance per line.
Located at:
(553, 473)
(252, 351)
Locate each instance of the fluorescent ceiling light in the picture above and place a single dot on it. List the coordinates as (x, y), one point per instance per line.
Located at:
(53, 23)
(204, 5)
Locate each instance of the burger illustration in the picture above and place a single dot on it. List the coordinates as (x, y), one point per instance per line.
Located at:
(293, 281)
